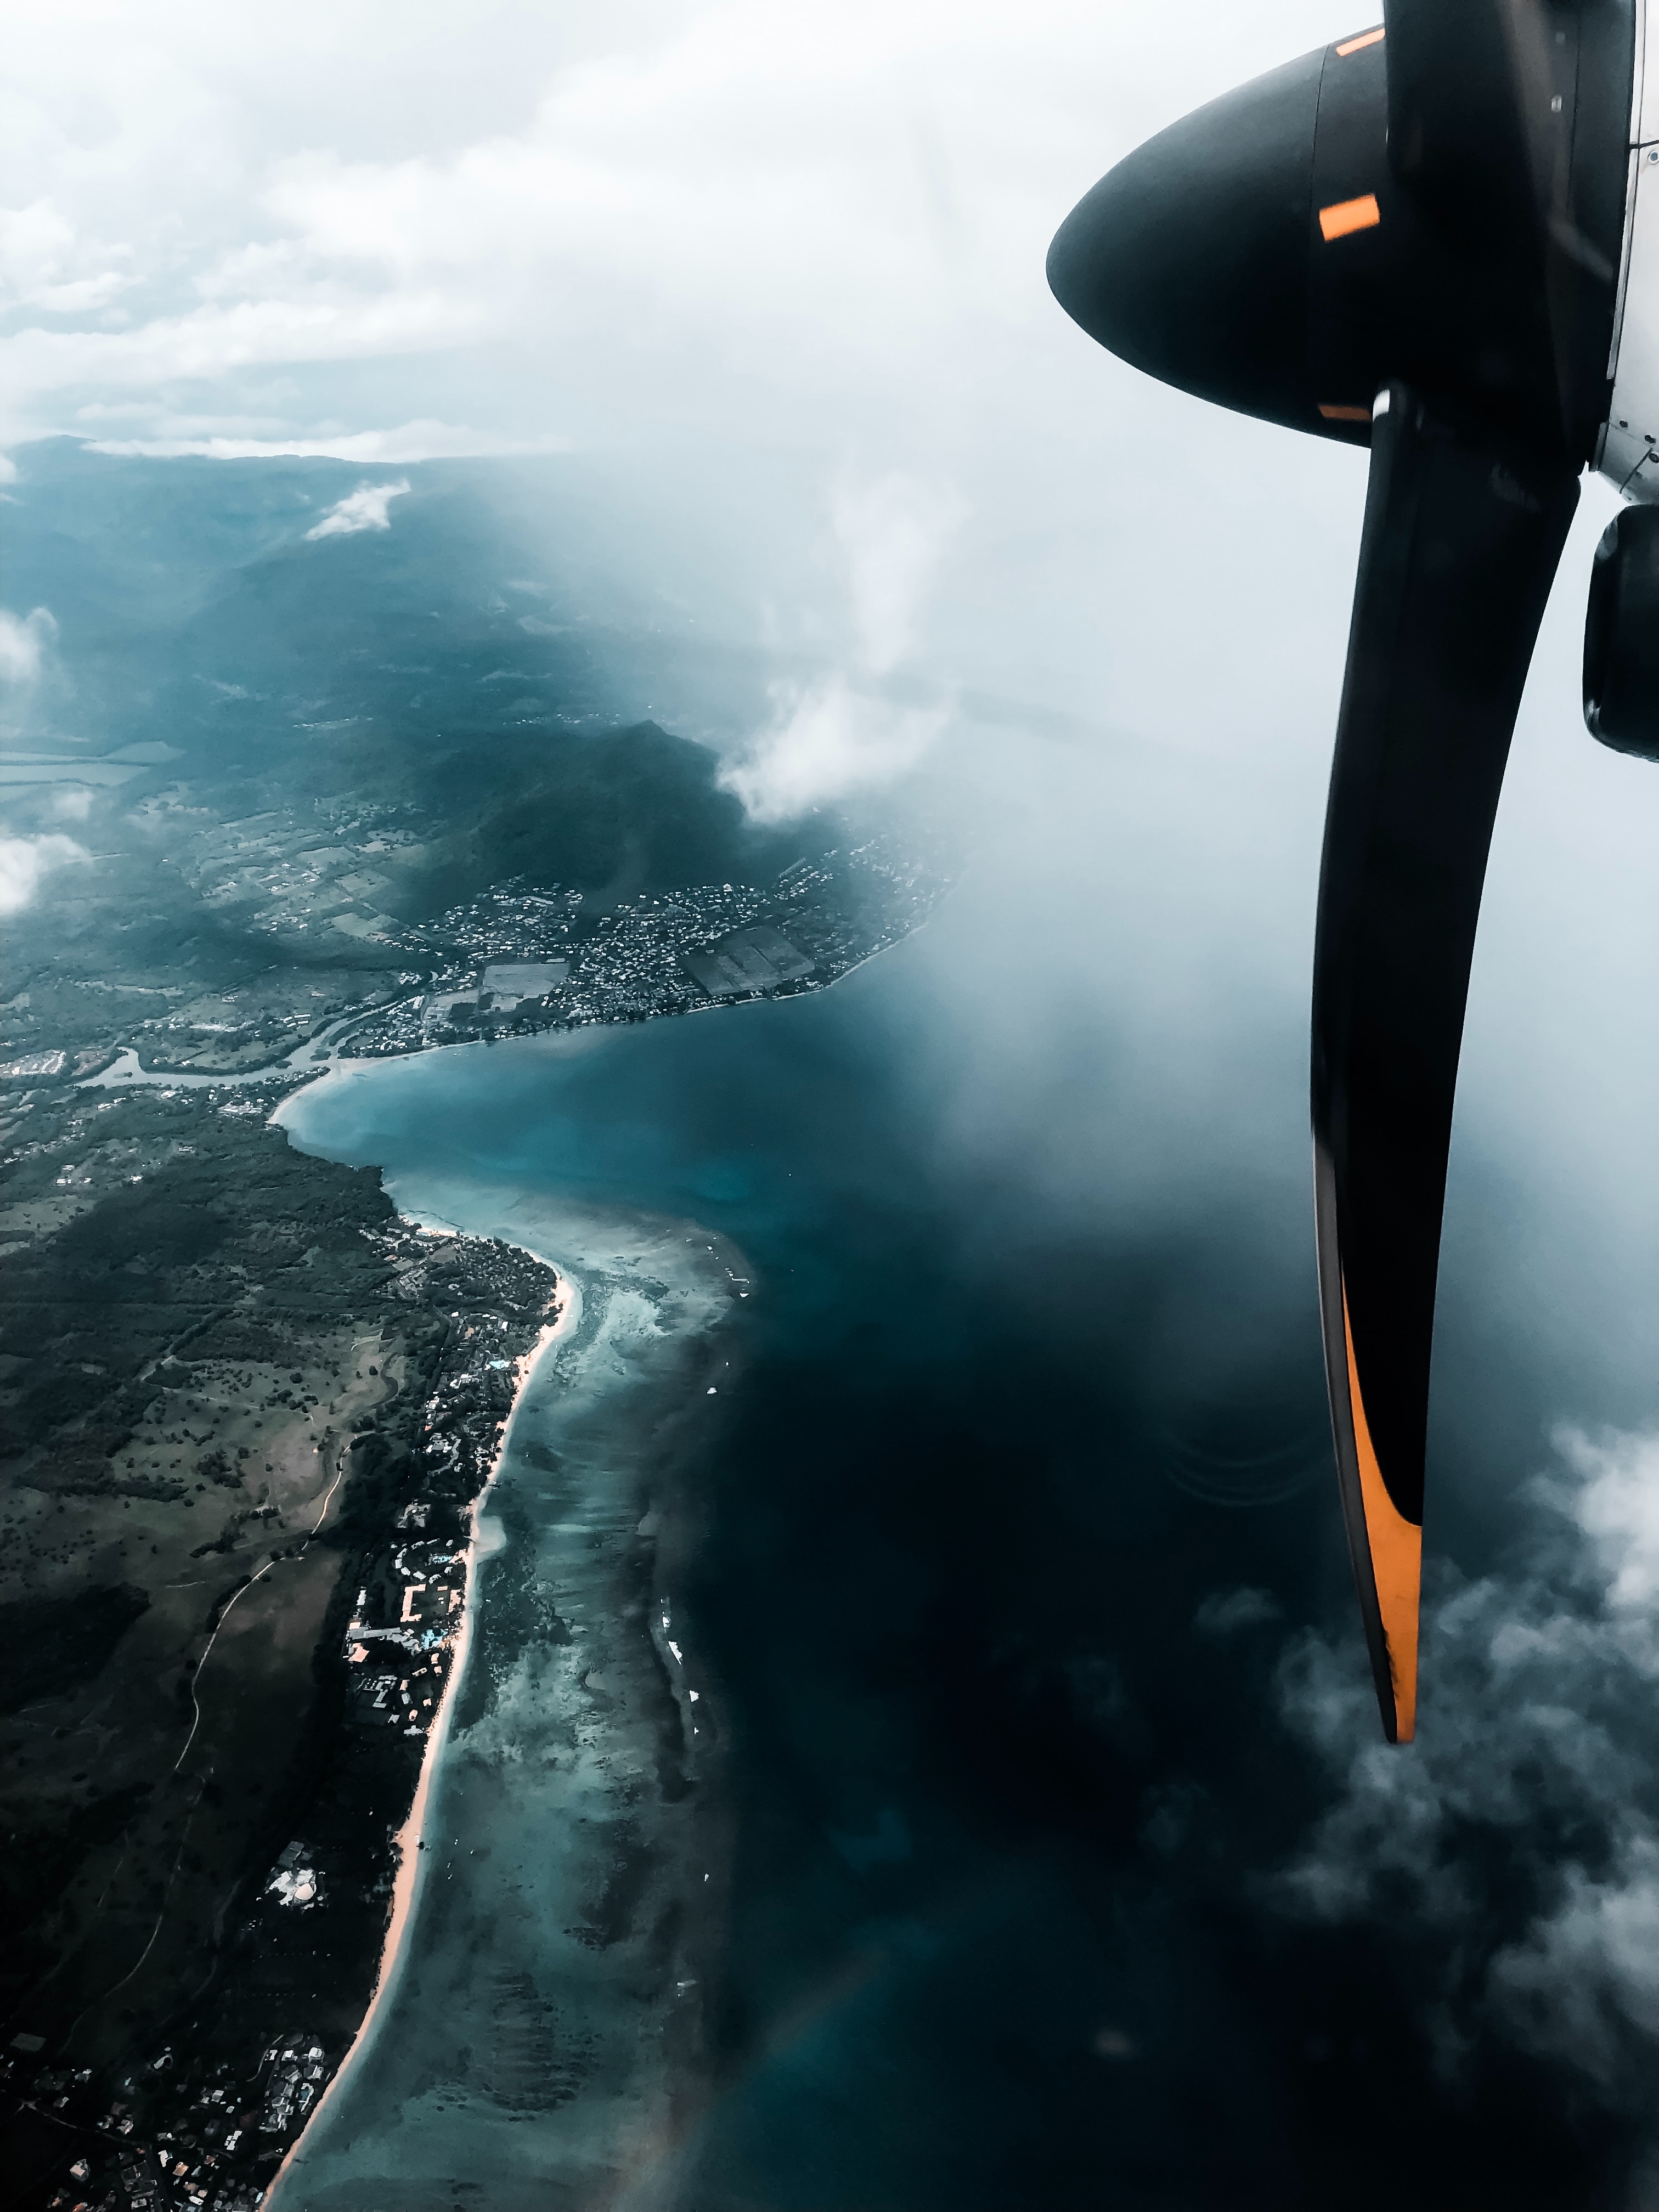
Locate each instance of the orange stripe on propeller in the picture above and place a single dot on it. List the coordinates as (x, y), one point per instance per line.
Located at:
(1396, 1546)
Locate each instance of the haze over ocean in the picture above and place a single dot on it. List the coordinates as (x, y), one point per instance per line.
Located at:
(1066, 1867)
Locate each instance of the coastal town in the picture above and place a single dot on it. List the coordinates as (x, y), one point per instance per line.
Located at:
(194, 2156)
(515, 959)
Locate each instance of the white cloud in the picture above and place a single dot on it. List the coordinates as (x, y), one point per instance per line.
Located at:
(72, 802)
(41, 259)
(827, 741)
(1535, 1734)
(23, 644)
(365, 508)
(212, 343)
(1617, 1507)
(1588, 1971)
(25, 861)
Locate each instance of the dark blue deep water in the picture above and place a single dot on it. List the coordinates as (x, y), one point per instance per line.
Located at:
(1011, 1774)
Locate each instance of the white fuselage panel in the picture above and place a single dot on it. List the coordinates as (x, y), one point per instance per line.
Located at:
(1630, 451)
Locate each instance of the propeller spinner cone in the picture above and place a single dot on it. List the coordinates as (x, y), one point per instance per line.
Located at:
(1189, 259)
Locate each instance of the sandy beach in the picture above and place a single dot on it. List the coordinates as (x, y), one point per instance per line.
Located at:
(537, 2026)
(411, 1837)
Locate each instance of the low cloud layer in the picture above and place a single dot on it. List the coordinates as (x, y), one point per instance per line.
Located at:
(409, 442)
(1517, 1841)
(365, 508)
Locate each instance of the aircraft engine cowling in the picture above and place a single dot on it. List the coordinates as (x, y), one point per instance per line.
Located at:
(1621, 635)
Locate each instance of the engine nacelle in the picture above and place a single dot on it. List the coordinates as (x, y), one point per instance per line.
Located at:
(1621, 635)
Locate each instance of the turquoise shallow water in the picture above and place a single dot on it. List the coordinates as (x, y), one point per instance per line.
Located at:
(544, 2034)
(545, 2011)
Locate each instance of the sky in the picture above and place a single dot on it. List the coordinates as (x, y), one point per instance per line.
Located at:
(776, 277)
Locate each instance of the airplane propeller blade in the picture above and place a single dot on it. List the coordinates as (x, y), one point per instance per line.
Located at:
(1421, 238)
(1460, 546)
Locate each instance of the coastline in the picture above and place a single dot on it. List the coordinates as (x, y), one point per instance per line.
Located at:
(542, 2025)
(126, 1072)
(410, 1838)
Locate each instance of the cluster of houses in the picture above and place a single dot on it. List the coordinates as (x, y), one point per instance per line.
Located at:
(174, 2142)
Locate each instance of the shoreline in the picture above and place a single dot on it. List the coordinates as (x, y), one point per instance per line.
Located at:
(535, 1975)
(125, 1072)
(410, 1838)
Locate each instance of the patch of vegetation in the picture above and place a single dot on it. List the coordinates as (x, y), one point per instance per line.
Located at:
(58, 1644)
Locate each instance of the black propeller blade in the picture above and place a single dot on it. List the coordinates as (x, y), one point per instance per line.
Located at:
(1409, 240)
(1459, 549)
